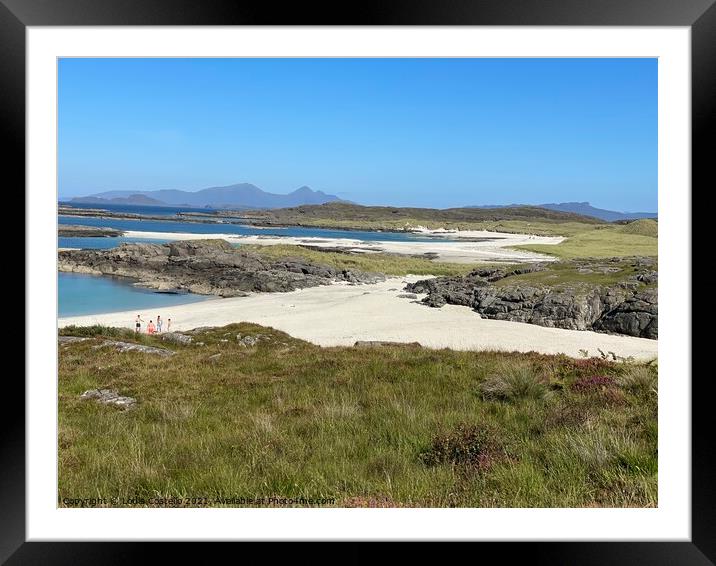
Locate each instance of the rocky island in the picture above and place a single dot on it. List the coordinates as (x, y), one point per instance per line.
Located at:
(76, 231)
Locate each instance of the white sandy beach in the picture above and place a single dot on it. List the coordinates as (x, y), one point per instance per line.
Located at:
(492, 246)
(341, 314)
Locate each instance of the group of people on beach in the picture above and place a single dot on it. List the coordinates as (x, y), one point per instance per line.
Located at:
(151, 327)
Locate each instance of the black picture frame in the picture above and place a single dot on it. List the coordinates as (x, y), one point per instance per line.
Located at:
(699, 15)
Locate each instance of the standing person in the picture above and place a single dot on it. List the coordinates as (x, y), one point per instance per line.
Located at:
(169, 324)
(159, 324)
(150, 327)
(138, 324)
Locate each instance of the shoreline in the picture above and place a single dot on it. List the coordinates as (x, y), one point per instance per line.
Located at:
(342, 314)
(479, 246)
(250, 222)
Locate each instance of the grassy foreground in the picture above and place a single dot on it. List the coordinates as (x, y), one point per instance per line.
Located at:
(384, 426)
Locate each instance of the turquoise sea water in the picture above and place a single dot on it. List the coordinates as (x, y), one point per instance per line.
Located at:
(80, 294)
(102, 243)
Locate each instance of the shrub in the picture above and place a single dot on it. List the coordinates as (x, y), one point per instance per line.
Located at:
(512, 382)
(468, 445)
(568, 414)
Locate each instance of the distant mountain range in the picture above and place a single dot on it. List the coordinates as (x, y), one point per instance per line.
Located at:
(242, 195)
(248, 196)
(584, 209)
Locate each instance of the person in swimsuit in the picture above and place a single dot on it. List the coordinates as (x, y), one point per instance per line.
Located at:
(159, 324)
(169, 324)
(150, 327)
(138, 324)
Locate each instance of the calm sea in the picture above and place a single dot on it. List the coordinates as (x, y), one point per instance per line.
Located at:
(80, 294)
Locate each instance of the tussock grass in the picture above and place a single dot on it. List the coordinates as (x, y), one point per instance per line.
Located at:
(513, 381)
(391, 426)
(640, 380)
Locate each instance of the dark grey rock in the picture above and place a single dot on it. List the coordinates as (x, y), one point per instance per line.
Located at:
(77, 231)
(627, 307)
(207, 267)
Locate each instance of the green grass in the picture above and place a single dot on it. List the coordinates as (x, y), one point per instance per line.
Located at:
(346, 215)
(539, 227)
(644, 227)
(390, 264)
(600, 242)
(591, 273)
(392, 426)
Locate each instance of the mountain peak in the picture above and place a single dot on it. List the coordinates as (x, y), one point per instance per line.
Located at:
(304, 190)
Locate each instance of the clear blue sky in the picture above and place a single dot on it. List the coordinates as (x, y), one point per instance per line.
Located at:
(413, 132)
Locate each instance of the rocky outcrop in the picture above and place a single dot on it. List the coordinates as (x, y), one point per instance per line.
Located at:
(71, 339)
(249, 341)
(177, 338)
(72, 231)
(629, 306)
(132, 347)
(206, 267)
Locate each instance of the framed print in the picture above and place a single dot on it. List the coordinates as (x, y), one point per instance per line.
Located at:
(399, 278)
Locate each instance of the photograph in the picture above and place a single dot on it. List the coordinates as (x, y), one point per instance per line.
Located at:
(357, 282)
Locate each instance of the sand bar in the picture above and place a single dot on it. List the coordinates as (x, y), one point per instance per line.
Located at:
(342, 314)
(478, 246)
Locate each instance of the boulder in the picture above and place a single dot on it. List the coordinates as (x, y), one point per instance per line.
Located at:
(132, 347)
(109, 397)
(177, 338)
